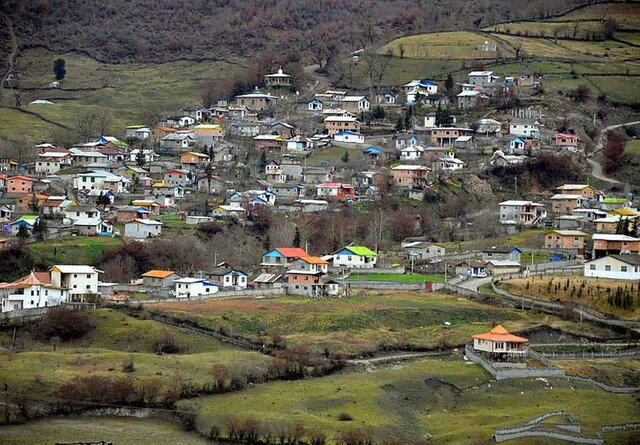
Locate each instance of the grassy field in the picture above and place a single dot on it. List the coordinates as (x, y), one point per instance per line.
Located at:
(118, 430)
(632, 147)
(129, 92)
(616, 372)
(625, 14)
(445, 45)
(549, 29)
(451, 401)
(116, 339)
(358, 324)
(591, 292)
(75, 250)
(530, 238)
(398, 278)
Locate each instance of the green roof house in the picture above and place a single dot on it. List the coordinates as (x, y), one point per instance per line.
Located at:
(351, 256)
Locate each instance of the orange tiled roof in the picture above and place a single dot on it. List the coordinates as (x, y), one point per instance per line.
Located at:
(314, 260)
(499, 333)
(292, 252)
(158, 273)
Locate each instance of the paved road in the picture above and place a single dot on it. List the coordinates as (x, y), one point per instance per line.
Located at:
(596, 172)
(474, 283)
(596, 168)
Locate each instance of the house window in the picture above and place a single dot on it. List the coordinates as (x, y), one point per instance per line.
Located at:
(88, 276)
(607, 268)
(623, 268)
(592, 267)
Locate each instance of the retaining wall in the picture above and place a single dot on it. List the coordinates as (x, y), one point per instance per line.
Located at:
(383, 285)
(503, 374)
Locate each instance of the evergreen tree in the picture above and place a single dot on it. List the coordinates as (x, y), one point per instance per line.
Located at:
(296, 238)
(408, 118)
(378, 113)
(59, 69)
(140, 161)
(39, 229)
(345, 156)
(103, 200)
(263, 160)
(448, 84)
(23, 232)
(399, 124)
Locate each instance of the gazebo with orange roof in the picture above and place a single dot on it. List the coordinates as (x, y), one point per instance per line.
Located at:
(498, 342)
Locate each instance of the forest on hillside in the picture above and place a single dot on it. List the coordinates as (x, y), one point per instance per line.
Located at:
(119, 31)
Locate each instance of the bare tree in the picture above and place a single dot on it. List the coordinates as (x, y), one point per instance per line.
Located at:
(85, 126)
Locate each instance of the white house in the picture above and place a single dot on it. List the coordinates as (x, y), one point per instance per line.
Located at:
(359, 103)
(416, 87)
(101, 180)
(46, 165)
(79, 280)
(411, 153)
(142, 229)
(524, 128)
(349, 137)
(315, 105)
(480, 78)
(516, 146)
(526, 213)
(32, 291)
(616, 267)
(137, 132)
(194, 287)
(359, 257)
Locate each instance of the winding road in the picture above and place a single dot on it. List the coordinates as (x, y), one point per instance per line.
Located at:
(596, 168)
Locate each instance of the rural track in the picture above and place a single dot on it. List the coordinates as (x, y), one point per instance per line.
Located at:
(596, 167)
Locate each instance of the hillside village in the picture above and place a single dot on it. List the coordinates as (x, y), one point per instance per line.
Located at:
(428, 248)
(123, 186)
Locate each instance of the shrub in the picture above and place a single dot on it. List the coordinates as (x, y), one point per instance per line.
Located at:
(345, 417)
(166, 344)
(127, 366)
(64, 323)
(355, 437)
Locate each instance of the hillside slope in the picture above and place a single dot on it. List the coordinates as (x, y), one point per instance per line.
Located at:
(126, 30)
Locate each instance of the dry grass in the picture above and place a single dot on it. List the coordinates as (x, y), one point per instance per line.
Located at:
(445, 45)
(567, 288)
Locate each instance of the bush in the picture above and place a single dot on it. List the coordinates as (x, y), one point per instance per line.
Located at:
(64, 323)
(128, 366)
(345, 417)
(166, 344)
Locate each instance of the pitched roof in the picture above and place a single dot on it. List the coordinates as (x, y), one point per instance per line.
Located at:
(292, 252)
(157, 273)
(314, 260)
(633, 260)
(361, 251)
(499, 333)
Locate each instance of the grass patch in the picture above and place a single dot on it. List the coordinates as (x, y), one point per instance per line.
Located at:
(590, 292)
(443, 45)
(625, 14)
(618, 372)
(131, 92)
(632, 147)
(356, 325)
(74, 250)
(397, 278)
(119, 430)
(410, 401)
(529, 238)
(583, 30)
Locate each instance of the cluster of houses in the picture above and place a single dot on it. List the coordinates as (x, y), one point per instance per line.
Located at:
(290, 269)
(62, 284)
(581, 220)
